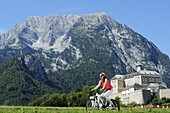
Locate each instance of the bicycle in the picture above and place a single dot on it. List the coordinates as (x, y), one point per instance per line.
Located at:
(95, 104)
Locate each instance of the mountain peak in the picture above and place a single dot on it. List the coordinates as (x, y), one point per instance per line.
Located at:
(65, 39)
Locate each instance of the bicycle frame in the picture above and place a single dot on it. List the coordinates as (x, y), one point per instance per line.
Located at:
(97, 100)
(96, 103)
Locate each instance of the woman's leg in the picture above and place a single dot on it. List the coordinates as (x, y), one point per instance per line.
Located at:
(106, 95)
(100, 100)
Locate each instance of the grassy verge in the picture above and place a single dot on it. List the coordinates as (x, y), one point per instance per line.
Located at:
(24, 109)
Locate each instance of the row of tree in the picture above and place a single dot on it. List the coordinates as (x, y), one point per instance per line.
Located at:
(76, 98)
(161, 101)
(79, 97)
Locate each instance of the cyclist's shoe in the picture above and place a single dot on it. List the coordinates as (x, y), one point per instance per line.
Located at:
(100, 106)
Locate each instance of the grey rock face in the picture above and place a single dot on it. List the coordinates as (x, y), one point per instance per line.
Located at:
(34, 67)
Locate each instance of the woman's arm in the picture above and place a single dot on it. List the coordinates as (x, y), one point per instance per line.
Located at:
(97, 86)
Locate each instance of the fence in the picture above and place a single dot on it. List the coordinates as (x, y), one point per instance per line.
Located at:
(152, 106)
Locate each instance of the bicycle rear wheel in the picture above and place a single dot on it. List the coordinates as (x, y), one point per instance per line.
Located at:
(116, 105)
(91, 106)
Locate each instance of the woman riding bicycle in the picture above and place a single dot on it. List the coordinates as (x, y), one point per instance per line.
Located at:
(106, 85)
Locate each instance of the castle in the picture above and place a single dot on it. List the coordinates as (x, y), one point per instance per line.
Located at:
(138, 87)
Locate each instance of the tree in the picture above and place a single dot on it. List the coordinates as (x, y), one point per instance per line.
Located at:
(118, 99)
(7, 102)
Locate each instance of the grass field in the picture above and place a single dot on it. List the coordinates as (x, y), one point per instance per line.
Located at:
(23, 109)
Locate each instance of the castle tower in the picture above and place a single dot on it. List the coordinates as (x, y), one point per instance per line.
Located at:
(140, 67)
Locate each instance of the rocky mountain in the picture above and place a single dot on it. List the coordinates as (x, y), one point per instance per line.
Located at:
(69, 42)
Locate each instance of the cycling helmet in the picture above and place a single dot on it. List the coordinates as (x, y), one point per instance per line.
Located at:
(104, 74)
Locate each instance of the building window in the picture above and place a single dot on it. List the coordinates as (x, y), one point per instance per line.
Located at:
(145, 80)
(159, 80)
(152, 79)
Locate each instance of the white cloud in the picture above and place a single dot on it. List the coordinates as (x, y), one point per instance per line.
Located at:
(67, 10)
(2, 30)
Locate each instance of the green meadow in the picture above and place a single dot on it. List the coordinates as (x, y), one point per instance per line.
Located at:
(24, 109)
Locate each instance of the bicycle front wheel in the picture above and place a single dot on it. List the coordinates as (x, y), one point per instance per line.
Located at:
(91, 106)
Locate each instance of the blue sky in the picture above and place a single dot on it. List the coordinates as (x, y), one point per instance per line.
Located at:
(150, 18)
